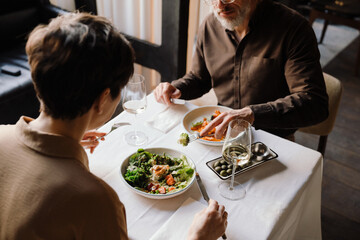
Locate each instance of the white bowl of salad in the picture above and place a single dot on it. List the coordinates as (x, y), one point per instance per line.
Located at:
(158, 173)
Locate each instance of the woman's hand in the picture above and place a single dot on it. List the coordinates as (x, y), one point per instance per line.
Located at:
(90, 139)
(210, 223)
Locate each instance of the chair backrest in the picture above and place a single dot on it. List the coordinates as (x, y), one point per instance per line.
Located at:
(334, 90)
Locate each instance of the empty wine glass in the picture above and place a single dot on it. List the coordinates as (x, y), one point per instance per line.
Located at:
(134, 102)
(237, 151)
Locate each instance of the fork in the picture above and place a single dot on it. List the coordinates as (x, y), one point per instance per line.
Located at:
(114, 127)
(196, 136)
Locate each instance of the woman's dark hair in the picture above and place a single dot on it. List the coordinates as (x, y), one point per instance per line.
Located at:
(74, 59)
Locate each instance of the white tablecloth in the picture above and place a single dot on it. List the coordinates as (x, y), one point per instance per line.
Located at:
(283, 196)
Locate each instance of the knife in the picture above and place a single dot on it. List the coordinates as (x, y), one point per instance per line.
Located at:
(204, 194)
(178, 101)
(202, 187)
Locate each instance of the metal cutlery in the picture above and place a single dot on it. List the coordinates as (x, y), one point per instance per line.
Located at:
(204, 194)
(196, 136)
(202, 187)
(177, 101)
(114, 127)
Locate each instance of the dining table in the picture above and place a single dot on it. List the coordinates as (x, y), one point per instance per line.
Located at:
(283, 196)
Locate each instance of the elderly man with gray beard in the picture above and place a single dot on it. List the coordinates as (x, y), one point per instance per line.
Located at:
(262, 60)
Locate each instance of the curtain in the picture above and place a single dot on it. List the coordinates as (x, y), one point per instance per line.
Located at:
(198, 11)
(138, 18)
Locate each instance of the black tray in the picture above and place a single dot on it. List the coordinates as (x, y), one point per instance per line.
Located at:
(254, 161)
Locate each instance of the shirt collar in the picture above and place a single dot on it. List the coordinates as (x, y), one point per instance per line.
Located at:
(49, 144)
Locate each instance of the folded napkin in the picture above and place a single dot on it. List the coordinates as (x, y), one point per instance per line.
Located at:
(177, 226)
(168, 118)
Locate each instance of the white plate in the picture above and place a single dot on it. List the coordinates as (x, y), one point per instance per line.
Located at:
(168, 151)
(197, 115)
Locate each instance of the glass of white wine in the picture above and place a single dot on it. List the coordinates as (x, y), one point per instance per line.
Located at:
(237, 151)
(134, 101)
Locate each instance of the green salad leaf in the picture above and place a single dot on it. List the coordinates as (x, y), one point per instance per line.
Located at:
(197, 124)
(136, 177)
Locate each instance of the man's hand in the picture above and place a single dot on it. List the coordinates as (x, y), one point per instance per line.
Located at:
(165, 91)
(210, 223)
(90, 141)
(222, 121)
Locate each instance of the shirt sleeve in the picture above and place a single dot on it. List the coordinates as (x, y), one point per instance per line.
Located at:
(307, 103)
(198, 81)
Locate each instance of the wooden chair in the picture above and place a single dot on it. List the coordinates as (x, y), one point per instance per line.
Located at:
(343, 12)
(323, 129)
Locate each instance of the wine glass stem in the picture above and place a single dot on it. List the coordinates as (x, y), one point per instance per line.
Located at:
(232, 178)
(135, 130)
